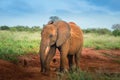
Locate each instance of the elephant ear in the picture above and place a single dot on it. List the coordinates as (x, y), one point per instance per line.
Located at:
(63, 32)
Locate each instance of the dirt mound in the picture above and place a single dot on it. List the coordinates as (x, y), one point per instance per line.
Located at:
(28, 67)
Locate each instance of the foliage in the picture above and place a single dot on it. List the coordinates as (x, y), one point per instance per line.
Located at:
(4, 27)
(54, 18)
(97, 30)
(116, 32)
(116, 29)
(35, 28)
(21, 28)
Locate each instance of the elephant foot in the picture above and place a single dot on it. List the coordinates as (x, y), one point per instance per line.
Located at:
(73, 68)
(62, 70)
(45, 73)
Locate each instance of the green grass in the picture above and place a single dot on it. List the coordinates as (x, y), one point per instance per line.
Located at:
(13, 44)
(83, 75)
(101, 41)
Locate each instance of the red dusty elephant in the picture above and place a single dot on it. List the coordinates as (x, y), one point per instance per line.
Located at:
(67, 38)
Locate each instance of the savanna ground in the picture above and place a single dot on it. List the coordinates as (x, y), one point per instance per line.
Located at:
(19, 58)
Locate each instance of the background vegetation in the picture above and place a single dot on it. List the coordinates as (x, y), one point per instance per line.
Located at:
(15, 41)
(20, 28)
(13, 44)
(20, 40)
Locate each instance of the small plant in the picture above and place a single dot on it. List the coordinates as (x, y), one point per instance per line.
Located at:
(79, 75)
(75, 75)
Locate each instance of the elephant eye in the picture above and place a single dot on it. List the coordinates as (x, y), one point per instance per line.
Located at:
(50, 35)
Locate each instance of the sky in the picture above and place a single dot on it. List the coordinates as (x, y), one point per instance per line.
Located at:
(85, 13)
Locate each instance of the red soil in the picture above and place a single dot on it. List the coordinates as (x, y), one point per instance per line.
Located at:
(28, 67)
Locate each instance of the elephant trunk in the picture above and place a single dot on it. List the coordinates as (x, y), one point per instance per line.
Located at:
(44, 49)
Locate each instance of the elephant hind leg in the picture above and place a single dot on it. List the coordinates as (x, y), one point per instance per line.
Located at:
(70, 61)
(77, 58)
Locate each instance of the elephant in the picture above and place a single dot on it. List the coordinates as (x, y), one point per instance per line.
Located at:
(64, 36)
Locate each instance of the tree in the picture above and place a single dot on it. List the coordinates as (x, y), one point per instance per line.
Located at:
(54, 18)
(116, 31)
(97, 30)
(36, 28)
(4, 27)
(116, 26)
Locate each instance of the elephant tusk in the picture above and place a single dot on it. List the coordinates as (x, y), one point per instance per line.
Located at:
(47, 50)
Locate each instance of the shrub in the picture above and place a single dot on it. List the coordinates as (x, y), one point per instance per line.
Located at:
(25, 28)
(75, 75)
(4, 27)
(116, 32)
(97, 30)
(103, 31)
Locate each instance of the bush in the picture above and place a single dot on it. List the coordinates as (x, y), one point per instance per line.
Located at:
(25, 28)
(116, 32)
(103, 31)
(116, 27)
(4, 27)
(20, 28)
(97, 30)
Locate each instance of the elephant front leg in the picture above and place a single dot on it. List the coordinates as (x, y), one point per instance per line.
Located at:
(64, 49)
(49, 57)
(63, 62)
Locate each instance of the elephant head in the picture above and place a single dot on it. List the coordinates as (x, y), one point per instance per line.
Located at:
(53, 35)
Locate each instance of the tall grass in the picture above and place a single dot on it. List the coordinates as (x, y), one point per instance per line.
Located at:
(17, 43)
(101, 41)
(13, 44)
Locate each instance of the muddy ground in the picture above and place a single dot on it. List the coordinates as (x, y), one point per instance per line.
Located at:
(28, 67)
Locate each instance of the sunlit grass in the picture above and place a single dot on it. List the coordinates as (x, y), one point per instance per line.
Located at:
(17, 43)
(101, 41)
